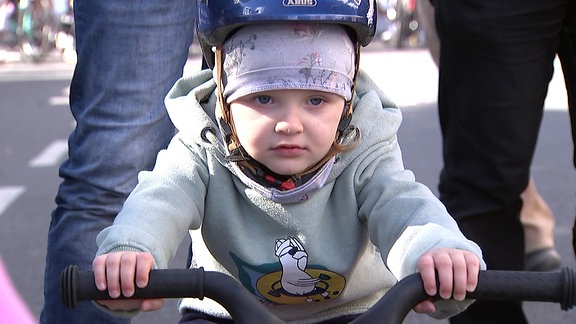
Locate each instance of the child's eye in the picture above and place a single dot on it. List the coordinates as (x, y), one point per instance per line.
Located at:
(263, 99)
(316, 101)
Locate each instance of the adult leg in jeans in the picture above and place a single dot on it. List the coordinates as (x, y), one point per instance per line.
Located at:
(129, 55)
(496, 61)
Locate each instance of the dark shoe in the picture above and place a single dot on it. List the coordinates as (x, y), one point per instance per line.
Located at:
(546, 259)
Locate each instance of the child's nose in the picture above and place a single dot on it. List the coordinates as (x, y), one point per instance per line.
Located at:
(288, 128)
(289, 123)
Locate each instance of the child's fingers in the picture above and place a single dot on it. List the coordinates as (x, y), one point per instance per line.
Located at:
(118, 272)
(425, 307)
(145, 305)
(112, 265)
(457, 276)
(444, 266)
(127, 273)
(99, 269)
(460, 274)
(457, 272)
(151, 304)
(473, 267)
(134, 271)
(121, 304)
(426, 268)
(144, 263)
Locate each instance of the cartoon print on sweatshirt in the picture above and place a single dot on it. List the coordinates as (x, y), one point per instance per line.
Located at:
(292, 280)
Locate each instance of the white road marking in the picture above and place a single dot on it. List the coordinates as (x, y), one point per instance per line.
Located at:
(51, 155)
(62, 100)
(58, 101)
(8, 194)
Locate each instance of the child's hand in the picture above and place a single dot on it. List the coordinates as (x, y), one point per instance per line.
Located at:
(457, 272)
(118, 272)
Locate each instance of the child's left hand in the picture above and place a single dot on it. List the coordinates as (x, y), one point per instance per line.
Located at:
(457, 273)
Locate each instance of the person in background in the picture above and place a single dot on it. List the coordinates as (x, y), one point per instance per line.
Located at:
(129, 55)
(496, 61)
(538, 223)
(536, 216)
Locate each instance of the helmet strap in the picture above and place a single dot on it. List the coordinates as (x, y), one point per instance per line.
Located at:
(348, 106)
(219, 86)
(235, 151)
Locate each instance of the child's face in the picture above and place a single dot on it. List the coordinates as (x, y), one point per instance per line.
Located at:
(287, 130)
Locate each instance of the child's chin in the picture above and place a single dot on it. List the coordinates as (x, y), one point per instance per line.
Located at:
(287, 173)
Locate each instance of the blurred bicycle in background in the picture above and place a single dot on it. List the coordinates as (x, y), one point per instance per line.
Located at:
(36, 27)
(398, 24)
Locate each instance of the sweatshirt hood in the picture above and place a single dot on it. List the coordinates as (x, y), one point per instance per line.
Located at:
(192, 105)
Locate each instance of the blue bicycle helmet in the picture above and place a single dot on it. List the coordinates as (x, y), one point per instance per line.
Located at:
(218, 18)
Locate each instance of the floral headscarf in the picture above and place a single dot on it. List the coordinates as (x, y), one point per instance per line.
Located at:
(288, 56)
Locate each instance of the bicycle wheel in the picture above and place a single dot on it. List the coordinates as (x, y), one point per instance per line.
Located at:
(34, 30)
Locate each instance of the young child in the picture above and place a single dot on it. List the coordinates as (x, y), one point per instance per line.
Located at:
(280, 185)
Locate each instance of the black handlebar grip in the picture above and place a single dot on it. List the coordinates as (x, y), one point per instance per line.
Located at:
(558, 287)
(79, 285)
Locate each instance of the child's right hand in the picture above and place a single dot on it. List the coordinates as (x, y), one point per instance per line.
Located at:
(457, 275)
(121, 273)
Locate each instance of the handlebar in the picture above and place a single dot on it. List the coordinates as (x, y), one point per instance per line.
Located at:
(79, 285)
(495, 285)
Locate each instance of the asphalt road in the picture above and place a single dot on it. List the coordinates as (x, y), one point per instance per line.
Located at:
(35, 123)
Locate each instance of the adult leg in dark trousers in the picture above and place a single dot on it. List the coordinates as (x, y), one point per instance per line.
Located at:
(567, 54)
(496, 60)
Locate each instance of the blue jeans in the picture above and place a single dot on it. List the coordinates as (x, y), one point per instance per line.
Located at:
(129, 55)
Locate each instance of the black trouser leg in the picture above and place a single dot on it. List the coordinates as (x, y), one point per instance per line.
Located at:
(497, 234)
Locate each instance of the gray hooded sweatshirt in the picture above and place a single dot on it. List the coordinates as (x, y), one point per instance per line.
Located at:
(329, 248)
